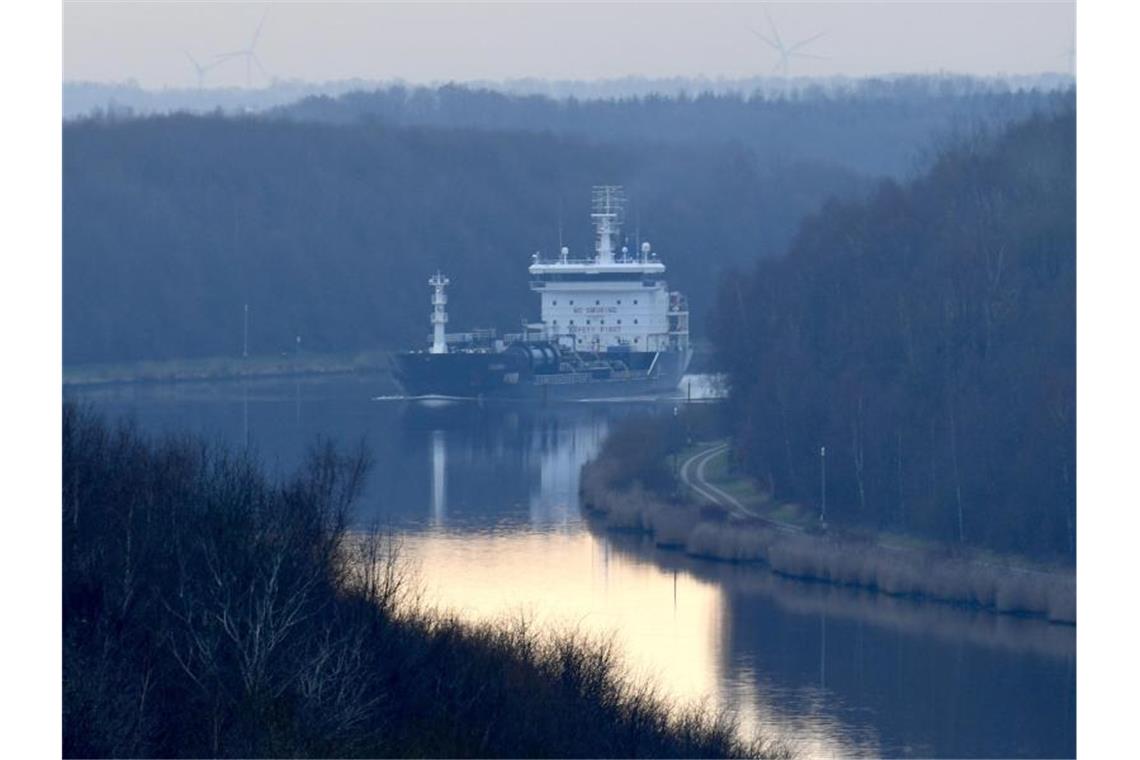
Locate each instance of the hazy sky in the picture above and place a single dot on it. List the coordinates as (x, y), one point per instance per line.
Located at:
(434, 41)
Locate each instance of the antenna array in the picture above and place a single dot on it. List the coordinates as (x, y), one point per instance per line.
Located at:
(608, 215)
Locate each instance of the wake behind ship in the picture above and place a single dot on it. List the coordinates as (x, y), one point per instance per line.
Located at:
(610, 328)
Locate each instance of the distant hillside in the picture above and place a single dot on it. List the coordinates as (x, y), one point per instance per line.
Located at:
(872, 126)
(926, 336)
(82, 98)
(171, 224)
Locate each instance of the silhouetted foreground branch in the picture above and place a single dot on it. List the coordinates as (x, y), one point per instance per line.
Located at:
(208, 611)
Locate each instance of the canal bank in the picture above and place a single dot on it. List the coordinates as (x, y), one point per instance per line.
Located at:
(227, 368)
(721, 521)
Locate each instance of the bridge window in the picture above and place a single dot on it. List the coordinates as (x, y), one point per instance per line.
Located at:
(587, 321)
(553, 303)
(571, 301)
(634, 302)
(619, 302)
(635, 340)
(603, 321)
(635, 321)
(571, 321)
(597, 303)
(619, 321)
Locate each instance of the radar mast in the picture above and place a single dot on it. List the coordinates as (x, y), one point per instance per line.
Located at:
(608, 214)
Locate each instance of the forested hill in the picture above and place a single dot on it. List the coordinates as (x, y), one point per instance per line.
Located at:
(875, 126)
(926, 337)
(171, 224)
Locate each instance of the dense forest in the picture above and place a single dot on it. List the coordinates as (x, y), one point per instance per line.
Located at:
(328, 218)
(924, 335)
(872, 126)
(171, 224)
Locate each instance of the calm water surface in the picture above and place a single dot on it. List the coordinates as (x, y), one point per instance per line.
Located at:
(486, 501)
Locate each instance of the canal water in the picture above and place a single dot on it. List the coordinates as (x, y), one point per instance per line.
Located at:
(485, 499)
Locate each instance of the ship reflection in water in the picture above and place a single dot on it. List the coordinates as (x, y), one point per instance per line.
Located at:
(438, 478)
(485, 499)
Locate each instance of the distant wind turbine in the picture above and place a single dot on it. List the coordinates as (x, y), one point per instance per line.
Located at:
(249, 53)
(199, 69)
(786, 52)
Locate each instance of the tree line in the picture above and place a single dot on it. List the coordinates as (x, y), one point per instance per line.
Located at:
(911, 360)
(871, 126)
(329, 232)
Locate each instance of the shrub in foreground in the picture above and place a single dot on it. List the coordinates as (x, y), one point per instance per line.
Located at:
(208, 611)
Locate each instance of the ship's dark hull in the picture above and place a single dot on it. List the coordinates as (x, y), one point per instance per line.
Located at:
(507, 375)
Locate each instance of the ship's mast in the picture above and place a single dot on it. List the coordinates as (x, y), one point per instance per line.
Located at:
(609, 205)
(439, 313)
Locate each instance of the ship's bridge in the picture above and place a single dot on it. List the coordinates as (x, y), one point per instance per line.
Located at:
(592, 270)
(613, 301)
(622, 304)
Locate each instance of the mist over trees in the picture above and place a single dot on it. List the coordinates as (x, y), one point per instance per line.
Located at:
(330, 232)
(328, 217)
(926, 337)
(84, 98)
(872, 126)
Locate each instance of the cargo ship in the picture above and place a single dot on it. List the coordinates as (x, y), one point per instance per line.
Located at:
(609, 328)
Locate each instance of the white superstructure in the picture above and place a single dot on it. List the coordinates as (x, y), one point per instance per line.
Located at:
(614, 300)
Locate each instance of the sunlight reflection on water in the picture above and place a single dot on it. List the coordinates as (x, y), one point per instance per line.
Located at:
(668, 625)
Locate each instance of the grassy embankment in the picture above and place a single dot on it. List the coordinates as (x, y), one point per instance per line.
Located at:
(208, 611)
(225, 368)
(633, 485)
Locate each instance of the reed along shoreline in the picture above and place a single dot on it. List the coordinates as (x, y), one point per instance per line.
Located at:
(614, 489)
